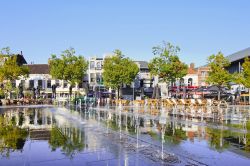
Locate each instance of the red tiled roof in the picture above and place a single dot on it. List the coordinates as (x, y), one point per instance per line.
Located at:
(192, 71)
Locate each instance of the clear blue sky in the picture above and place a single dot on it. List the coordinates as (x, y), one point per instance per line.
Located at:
(94, 27)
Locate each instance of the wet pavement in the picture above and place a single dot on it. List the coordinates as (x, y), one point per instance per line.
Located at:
(124, 136)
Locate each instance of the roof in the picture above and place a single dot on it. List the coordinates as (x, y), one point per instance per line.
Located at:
(203, 66)
(38, 68)
(239, 55)
(20, 59)
(143, 64)
(191, 71)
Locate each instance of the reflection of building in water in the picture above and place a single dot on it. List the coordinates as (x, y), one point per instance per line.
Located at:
(40, 134)
(39, 121)
(40, 124)
(190, 129)
(30, 118)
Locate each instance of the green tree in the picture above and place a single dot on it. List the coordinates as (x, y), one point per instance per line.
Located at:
(244, 77)
(69, 67)
(167, 65)
(118, 70)
(10, 70)
(5, 51)
(246, 74)
(218, 75)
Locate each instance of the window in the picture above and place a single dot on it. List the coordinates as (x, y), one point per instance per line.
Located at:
(99, 65)
(31, 84)
(173, 84)
(203, 73)
(48, 83)
(57, 83)
(182, 82)
(92, 77)
(98, 78)
(40, 83)
(92, 65)
(190, 82)
(80, 85)
(65, 84)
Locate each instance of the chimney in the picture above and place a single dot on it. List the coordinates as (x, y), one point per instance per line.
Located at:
(192, 65)
(22, 53)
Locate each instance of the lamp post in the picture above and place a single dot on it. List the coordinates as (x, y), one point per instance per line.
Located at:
(133, 85)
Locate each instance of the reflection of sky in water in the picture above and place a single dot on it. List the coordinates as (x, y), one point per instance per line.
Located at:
(70, 137)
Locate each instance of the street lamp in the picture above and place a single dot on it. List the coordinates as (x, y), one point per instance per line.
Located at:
(133, 85)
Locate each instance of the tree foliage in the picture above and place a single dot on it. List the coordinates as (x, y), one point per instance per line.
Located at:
(246, 73)
(167, 64)
(68, 67)
(244, 76)
(118, 70)
(5, 51)
(218, 75)
(10, 70)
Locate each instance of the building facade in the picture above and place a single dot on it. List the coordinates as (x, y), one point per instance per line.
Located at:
(202, 72)
(39, 77)
(237, 59)
(180, 86)
(143, 78)
(94, 73)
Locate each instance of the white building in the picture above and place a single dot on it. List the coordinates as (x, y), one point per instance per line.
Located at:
(144, 74)
(95, 71)
(39, 77)
(188, 82)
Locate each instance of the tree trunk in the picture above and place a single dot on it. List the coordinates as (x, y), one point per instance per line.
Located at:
(118, 92)
(249, 96)
(110, 95)
(120, 89)
(219, 94)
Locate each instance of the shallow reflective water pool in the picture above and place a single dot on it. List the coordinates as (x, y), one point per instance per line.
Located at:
(113, 136)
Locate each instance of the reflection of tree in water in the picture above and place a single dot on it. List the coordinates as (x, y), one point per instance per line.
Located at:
(216, 138)
(128, 124)
(175, 135)
(112, 123)
(70, 142)
(247, 146)
(222, 139)
(241, 139)
(154, 135)
(21, 118)
(12, 137)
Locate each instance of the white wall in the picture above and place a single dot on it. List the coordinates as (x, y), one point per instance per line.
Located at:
(44, 78)
(194, 77)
